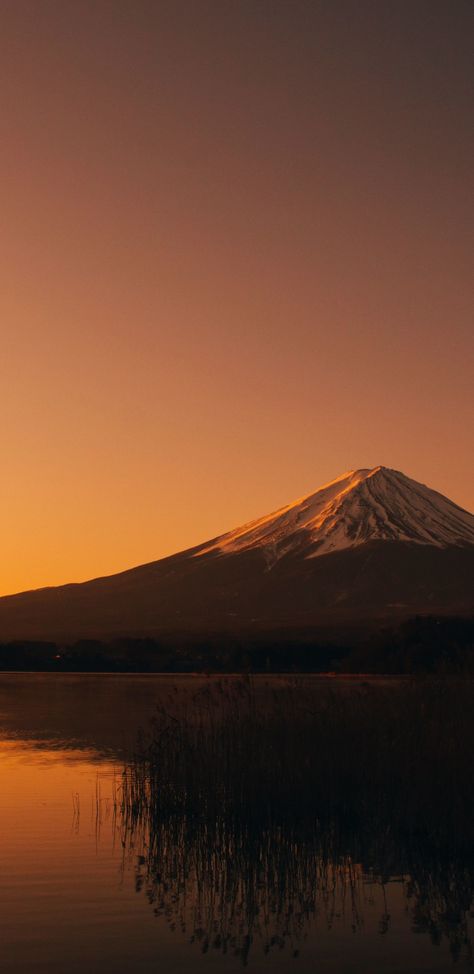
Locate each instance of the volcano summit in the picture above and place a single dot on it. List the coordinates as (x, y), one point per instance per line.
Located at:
(371, 545)
(358, 507)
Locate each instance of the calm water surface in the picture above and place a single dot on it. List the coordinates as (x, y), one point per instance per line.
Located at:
(73, 893)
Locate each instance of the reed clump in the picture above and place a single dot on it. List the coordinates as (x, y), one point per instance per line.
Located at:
(398, 754)
(253, 810)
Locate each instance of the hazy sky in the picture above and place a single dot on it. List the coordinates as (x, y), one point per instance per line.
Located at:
(235, 257)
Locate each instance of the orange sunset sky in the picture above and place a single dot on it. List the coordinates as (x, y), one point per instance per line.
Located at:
(235, 259)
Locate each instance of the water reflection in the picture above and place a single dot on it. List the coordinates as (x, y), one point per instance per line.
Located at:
(240, 857)
(232, 891)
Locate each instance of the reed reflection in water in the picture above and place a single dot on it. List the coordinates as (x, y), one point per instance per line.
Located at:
(250, 821)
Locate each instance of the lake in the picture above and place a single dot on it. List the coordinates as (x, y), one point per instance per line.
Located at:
(82, 890)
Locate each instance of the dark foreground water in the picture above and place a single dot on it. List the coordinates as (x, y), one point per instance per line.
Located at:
(81, 893)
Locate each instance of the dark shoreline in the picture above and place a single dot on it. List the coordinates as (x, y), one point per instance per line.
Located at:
(422, 645)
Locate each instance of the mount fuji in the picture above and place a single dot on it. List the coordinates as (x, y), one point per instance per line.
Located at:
(369, 546)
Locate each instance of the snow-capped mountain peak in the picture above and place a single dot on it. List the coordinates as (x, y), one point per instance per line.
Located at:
(359, 506)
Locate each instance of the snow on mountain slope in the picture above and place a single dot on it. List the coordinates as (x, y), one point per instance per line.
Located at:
(359, 506)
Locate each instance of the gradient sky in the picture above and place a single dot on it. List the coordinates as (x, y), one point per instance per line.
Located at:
(235, 258)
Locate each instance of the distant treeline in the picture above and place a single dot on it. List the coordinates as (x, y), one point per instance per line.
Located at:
(425, 644)
(420, 645)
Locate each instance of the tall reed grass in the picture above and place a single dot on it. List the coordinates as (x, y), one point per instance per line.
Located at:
(270, 807)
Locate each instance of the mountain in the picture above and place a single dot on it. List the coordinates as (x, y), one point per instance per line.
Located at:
(371, 545)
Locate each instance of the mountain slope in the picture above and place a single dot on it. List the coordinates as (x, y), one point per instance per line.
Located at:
(371, 545)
